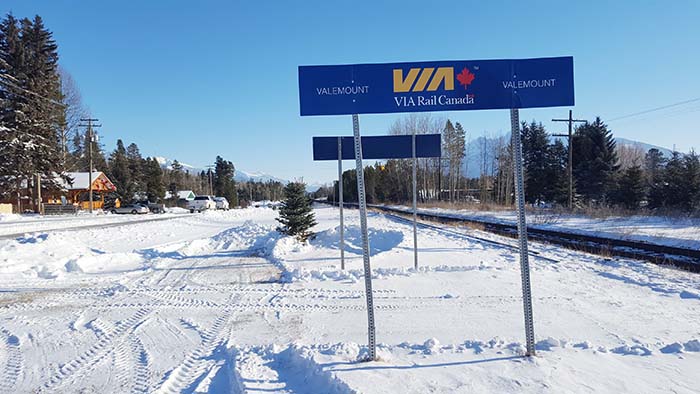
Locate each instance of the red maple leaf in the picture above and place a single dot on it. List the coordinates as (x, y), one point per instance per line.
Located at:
(465, 77)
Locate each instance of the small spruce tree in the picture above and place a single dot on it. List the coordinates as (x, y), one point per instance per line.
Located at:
(631, 188)
(296, 214)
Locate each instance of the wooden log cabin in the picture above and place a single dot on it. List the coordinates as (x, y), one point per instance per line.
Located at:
(74, 193)
(77, 191)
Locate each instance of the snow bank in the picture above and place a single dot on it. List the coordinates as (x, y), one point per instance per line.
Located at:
(52, 255)
(7, 217)
(692, 346)
(177, 210)
(56, 254)
(286, 369)
(380, 240)
(353, 275)
(497, 365)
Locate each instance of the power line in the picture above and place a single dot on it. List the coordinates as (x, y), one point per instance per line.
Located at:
(672, 113)
(4, 80)
(655, 109)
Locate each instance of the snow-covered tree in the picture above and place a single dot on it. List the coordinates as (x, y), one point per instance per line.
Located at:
(31, 113)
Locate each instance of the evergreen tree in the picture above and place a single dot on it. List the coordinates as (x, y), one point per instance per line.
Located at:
(536, 161)
(79, 153)
(155, 191)
(119, 173)
(691, 185)
(672, 189)
(370, 184)
(31, 116)
(350, 187)
(654, 166)
(175, 176)
(224, 185)
(14, 157)
(557, 188)
(631, 188)
(44, 110)
(595, 161)
(204, 179)
(296, 214)
(136, 166)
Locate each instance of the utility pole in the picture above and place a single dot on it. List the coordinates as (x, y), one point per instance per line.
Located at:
(569, 168)
(90, 140)
(38, 195)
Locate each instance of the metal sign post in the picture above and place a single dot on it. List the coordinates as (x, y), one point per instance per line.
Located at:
(365, 238)
(340, 202)
(522, 230)
(415, 215)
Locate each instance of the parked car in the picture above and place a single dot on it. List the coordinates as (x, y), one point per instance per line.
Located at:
(221, 203)
(201, 203)
(131, 208)
(153, 207)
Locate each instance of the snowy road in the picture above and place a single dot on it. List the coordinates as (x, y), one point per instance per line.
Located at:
(100, 224)
(220, 302)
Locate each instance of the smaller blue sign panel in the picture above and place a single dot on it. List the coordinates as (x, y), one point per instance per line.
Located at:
(379, 147)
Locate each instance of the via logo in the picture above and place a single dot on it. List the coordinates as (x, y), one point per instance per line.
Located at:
(429, 79)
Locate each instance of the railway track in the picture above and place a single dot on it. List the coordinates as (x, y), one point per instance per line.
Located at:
(684, 258)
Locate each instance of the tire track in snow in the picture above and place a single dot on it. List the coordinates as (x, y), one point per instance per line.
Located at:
(171, 297)
(73, 370)
(194, 364)
(131, 363)
(14, 361)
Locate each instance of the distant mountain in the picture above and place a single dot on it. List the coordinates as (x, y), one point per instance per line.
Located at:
(643, 145)
(244, 176)
(239, 175)
(167, 163)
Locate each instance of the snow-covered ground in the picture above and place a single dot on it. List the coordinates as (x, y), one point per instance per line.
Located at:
(220, 302)
(11, 224)
(679, 232)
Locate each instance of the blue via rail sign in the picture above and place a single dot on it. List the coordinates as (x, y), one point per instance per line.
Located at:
(436, 86)
(378, 147)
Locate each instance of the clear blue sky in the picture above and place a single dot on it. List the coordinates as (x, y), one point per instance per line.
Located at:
(194, 79)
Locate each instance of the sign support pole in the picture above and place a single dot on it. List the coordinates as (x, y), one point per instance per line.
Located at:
(415, 209)
(522, 230)
(340, 202)
(90, 169)
(365, 238)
